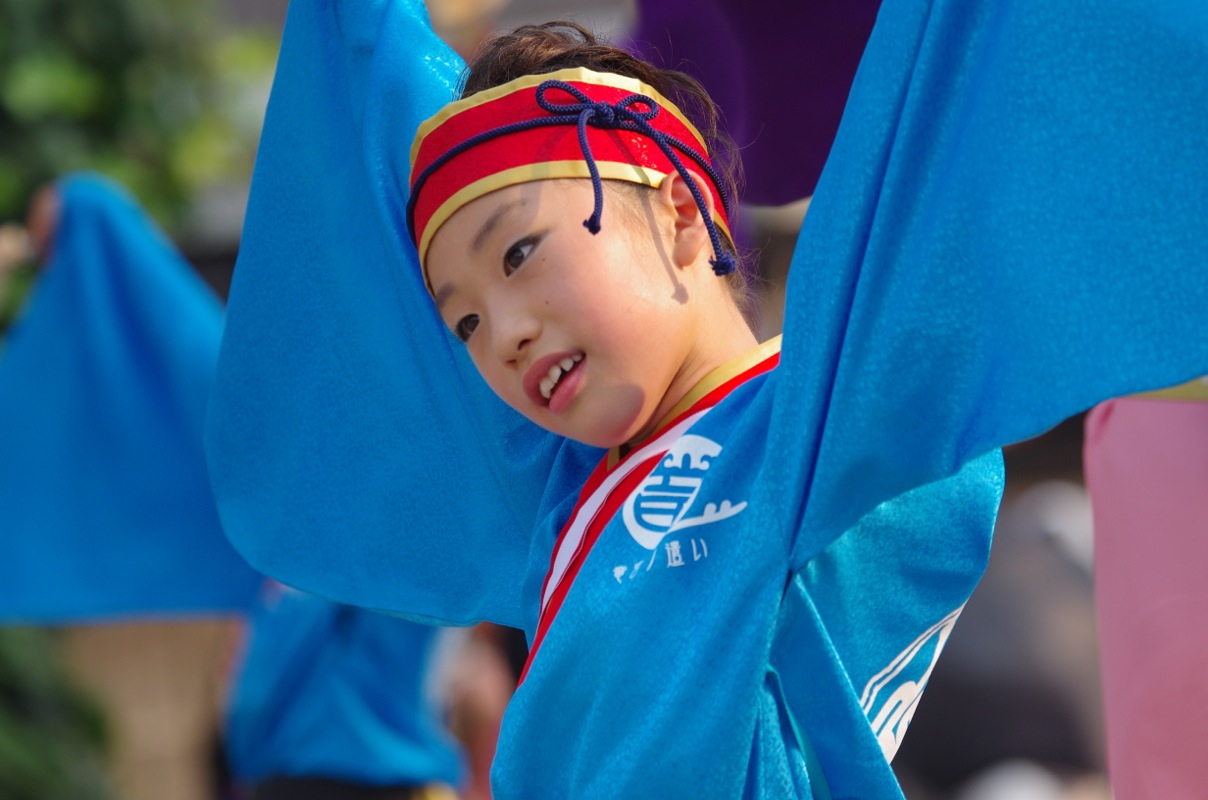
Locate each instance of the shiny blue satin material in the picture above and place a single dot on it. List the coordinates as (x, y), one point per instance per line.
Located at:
(1010, 227)
(105, 504)
(333, 691)
(706, 667)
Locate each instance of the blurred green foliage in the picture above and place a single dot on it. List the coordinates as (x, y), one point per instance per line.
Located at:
(52, 737)
(15, 284)
(155, 93)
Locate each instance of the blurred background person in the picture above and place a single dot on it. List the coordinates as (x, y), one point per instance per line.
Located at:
(117, 542)
(110, 544)
(167, 97)
(332, 702)
(1147, 471)
(111, 533)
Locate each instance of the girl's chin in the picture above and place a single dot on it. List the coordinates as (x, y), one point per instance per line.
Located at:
(599, 435)
(604, 422)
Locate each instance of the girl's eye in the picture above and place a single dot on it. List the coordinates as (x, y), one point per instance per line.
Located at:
(465, 327)
(516, 255)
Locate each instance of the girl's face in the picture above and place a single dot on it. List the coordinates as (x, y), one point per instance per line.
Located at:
(591, 337)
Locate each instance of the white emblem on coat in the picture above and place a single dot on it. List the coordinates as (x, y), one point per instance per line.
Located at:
(891, 697)
(661, 504)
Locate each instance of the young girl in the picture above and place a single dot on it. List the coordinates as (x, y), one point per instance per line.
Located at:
(735, 598)
(671, 577)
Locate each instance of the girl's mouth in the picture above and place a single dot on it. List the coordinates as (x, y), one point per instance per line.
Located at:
(549, 382)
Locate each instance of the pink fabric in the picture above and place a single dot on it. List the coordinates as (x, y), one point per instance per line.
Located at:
(1146, 465)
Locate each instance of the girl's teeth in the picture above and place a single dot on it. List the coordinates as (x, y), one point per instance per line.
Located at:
(555, 374)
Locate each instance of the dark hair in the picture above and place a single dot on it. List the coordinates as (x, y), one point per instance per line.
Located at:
(552, 46)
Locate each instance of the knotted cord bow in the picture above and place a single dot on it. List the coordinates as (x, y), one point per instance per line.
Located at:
(621, 115)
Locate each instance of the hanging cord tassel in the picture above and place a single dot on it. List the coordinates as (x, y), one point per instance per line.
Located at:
(609, 116)
(623, 116)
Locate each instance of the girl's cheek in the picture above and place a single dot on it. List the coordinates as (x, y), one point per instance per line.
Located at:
(479, 365)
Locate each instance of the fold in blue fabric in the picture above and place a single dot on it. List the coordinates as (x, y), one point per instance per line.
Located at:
(1007, 231)
(105, 504)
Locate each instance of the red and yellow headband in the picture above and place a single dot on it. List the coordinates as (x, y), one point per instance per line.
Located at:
(574, 123)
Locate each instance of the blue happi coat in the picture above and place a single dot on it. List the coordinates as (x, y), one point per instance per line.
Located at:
(678, 647)
(1007, 231)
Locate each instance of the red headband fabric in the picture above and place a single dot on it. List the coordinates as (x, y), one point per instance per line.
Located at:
(539, 153)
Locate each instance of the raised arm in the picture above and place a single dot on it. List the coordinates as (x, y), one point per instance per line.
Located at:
(1008, 230)
(354, 451)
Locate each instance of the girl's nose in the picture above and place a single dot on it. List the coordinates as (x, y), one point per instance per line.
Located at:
(515, 329)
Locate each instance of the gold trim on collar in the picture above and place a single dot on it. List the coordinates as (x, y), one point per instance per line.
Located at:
(731, 369)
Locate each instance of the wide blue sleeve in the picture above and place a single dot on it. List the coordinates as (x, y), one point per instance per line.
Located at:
(1008, 230)
(355, 451)
(105, 504)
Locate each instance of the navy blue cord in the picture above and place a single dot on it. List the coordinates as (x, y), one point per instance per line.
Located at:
(611, 116)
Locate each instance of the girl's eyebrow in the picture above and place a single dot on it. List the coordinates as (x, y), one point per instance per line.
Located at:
(493, 221)
(442, 295)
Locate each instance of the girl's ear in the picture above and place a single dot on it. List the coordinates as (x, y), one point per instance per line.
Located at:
(689, 235)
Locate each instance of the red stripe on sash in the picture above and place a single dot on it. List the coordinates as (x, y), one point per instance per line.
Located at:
(577, 536)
